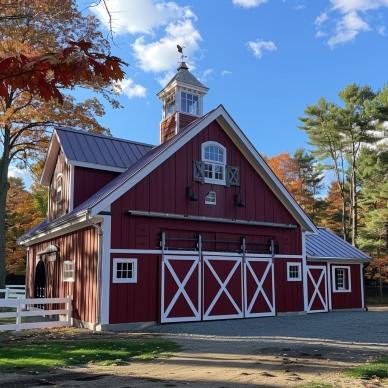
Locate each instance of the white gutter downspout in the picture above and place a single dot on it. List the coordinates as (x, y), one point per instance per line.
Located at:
(99, 260)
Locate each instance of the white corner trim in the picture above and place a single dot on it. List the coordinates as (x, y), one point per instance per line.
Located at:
(362, 284)
(132, 261)
(293, 264)
(71, 189)
(329, 284)
(304, 269)
(105, 270)
(346, 267)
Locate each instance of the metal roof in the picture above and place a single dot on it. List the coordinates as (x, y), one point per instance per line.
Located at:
(87, 147)
(326, 244)
(185, 76)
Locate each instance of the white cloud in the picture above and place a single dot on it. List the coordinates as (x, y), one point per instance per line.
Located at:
(166, 79)
(225, 72)
(320, 34)
(259, 46)
(15, 172)
(206, 75)
(347, 29)
(381, 30)
(298, 7)
(249, 3)
(346, 6)
(320, 19)
(162, 55)
(134, 16)
(132, 90)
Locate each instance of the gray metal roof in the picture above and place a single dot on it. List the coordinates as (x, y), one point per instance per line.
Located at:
(87, 147)
(184, 75)
(326, 244)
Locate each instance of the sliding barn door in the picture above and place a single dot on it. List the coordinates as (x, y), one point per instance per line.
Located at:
(316, 289)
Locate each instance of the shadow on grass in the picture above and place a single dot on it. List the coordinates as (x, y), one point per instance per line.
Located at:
(377, 368)
(37, 357)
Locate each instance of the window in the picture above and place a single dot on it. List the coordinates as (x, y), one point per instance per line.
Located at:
(124, 270)
(169, 105)
(294, 272)
(341, 278)
(68, 271)
(211, 198)
(214, 158)
(59, 187)
(189, 103)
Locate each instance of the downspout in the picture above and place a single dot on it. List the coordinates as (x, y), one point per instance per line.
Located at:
(99, 261)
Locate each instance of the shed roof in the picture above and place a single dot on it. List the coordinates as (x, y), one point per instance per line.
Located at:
(92, 150)
(327, 245)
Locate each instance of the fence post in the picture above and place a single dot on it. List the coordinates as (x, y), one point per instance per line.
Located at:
(19, 315)
(7, 293)
(69, 310)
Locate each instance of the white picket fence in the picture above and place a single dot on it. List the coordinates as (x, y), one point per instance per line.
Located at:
(25, 308)
(14, 291)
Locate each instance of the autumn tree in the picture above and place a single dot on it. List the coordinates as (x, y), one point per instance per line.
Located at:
(42, 56)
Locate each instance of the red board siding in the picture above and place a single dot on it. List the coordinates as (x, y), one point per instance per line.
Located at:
(288, 295)
(87, 181)
(80, 246)
(168, 128)
(185, 120)
(348, 300)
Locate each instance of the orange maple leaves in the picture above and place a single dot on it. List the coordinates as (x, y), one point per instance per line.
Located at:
(44, 75)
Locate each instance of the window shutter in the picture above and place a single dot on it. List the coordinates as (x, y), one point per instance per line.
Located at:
(199, 172)
(232, 176)
(346, 280)
(336, 279)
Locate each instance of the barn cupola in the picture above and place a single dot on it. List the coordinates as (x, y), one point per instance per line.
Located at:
(182, 101)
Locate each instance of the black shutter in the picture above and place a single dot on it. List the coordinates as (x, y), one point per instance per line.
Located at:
(232, 176)
(199, 172)
(336, 279)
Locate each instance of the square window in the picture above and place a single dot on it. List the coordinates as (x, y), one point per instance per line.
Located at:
(294, 272)
(341, 278)
(211, 198)
(124, 270)
(68, 271)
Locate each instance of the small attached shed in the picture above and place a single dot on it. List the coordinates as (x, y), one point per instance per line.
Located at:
(335, 273)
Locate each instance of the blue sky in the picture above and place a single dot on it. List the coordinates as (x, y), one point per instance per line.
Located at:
(263, 60)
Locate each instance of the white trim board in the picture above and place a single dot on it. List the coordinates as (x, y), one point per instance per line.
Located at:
(245, 147)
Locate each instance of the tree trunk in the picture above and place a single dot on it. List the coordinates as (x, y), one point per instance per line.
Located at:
(381, 283)
(341, 186)
(4, 187)
(353, 184)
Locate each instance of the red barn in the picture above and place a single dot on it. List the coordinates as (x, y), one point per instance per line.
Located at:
(196, 228)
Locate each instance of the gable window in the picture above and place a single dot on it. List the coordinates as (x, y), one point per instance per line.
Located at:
(124, 271)
(189, 103)
(68, 271)
(211, 198)
(294, 272)
(59, 188)
(169, 105)
(341, 278)
(214, 158)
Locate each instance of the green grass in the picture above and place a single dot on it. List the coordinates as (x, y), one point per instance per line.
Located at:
(377, 368)
(42, 356)
(6, 321)
(317, 384)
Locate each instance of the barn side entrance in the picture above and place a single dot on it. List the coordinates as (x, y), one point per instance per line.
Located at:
(211, 287)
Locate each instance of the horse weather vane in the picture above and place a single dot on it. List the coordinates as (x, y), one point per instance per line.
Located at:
(180, 50)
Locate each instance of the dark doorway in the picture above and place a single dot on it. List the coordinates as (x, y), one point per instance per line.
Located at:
(40, 280)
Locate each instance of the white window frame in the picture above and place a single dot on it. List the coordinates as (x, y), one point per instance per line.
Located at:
(191, 94)
(170, 96)
(115, 279)
(59, 176)
(214, 164)
(334, 279)
(299, 278)
(66, 269)
(207, 202)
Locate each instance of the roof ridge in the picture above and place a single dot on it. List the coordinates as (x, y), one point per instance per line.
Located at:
(100, 135)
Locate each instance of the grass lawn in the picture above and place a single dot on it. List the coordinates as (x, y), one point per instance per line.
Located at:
(6, 321)
(377, 368)
(42, 356)
(316, 384)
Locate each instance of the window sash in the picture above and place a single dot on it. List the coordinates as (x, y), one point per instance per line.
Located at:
(124, 270)
(68, 271)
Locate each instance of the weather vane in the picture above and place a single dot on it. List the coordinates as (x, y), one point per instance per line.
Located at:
(180, 50)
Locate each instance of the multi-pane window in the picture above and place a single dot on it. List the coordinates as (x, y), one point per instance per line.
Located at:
(294, 272)
(214, 158)
(59, 188)
(341, 278)
(169, 105)
(189, 103)
(68, 271)
(124, 270)
(211, 198)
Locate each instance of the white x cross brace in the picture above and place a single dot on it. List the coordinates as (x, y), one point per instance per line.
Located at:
(316, 290)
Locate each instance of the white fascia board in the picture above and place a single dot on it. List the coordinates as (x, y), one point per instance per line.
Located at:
(199, 89)
(51, 158)
(332, 260)
(265, 172)
(95, 166)
(148, 168)
(235, 133)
